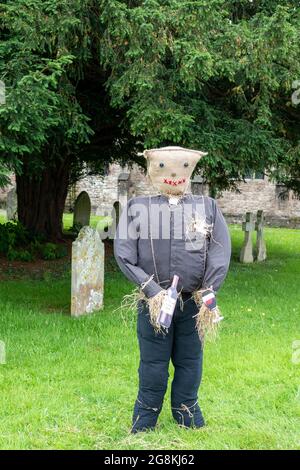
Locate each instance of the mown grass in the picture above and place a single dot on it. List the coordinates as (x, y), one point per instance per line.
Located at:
(2, 216)
(96, 221)
(71, 383)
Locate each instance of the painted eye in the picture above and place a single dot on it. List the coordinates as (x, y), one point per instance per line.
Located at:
(186, 164)
(161, 164)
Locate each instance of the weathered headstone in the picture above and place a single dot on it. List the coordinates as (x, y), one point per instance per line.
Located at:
(116, 212)
(261, 251)
(87, 272)
(12, 205)
(110, 231)
(246, 255)
(123, 189)
(82, 210)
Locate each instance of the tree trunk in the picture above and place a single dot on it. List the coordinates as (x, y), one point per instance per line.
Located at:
(41, 199)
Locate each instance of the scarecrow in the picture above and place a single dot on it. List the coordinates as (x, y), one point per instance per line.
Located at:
(169, 235)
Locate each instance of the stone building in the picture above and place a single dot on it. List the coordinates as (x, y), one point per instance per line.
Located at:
(117, 184)
(281, 209)
(121, 183)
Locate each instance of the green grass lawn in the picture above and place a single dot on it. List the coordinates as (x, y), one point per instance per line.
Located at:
(2, 216)
(96, 221)
(71, 383)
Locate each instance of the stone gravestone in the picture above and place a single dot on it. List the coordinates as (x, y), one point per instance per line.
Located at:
(246, 255)
(123, 189)
(261, 251)
(87, 272)
(12, 205)
(82, 210)
(110, 231)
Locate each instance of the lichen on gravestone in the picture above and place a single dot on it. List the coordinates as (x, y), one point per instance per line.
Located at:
(87, 272)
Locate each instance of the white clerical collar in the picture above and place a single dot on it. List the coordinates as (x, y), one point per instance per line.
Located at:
(174, 200)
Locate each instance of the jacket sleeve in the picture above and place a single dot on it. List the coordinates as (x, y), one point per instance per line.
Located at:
(126, 253)
(219, 252)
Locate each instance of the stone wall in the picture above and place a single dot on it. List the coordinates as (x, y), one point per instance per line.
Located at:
(254, 195)
(4, 191)
(104, 191)
(280, 209)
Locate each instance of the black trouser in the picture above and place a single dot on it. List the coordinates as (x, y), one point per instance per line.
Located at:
(181, 344)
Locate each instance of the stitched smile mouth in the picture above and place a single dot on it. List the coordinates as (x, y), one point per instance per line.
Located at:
(173, 182)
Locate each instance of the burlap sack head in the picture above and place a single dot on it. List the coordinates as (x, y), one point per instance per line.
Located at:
(170, 168)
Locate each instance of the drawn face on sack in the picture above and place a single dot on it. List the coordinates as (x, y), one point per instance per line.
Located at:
(170, 168)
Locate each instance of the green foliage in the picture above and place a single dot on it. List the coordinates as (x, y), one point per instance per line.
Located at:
(43, 54)
(12, 235)
(4, 175)
(95, 80)
(19, 245)
(51, 251)
(14, 239)
(213, 75)
(19, 255)
(75, 229)
(55, 102)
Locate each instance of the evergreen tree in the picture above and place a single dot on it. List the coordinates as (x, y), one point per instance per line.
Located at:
(93, 81)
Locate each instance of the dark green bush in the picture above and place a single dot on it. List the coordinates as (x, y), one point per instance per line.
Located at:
(13, 235)
(75, 229)
(20, 255)
(48, 251)
(52, 251)
(17, 244)
(61, 251)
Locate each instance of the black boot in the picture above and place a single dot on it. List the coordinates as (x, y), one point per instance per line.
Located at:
(144, 417)
(188, 416)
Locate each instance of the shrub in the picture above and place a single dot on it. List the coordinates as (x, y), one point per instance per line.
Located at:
(17, 244)
(75, 229)
(20, 255)
(52, 251)
(13, 235)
